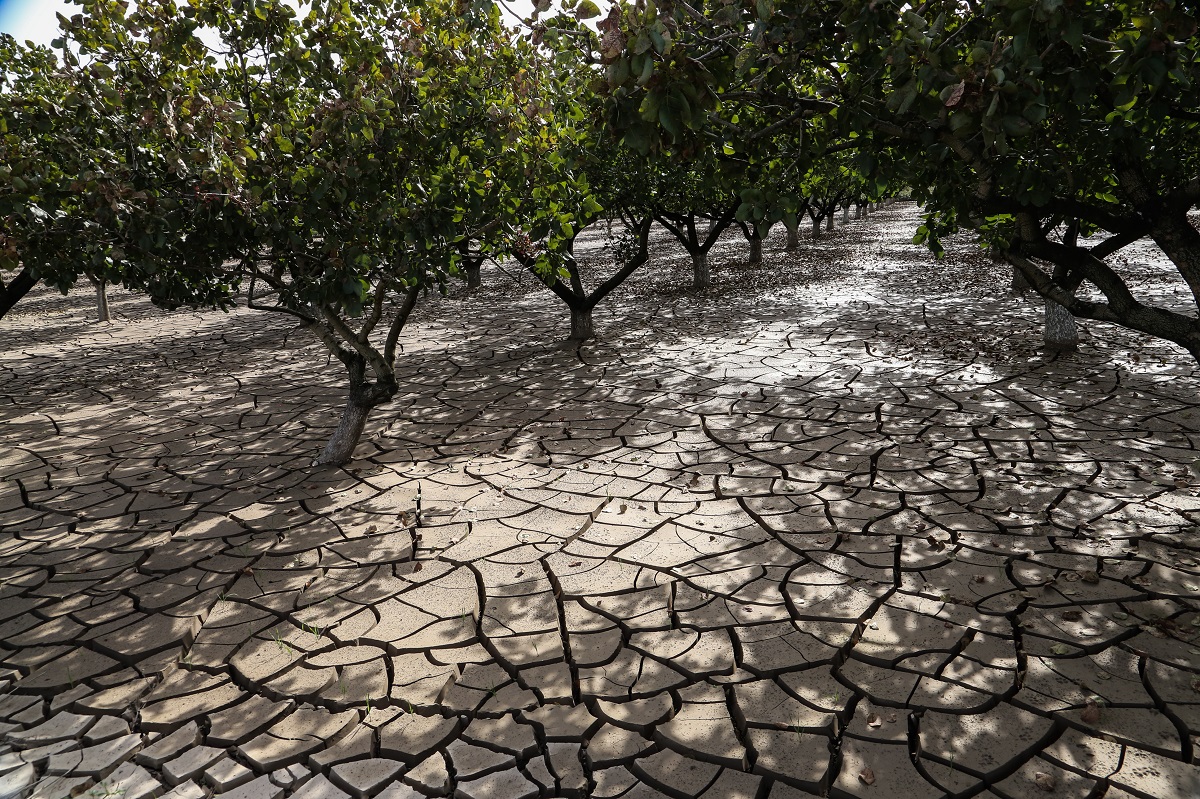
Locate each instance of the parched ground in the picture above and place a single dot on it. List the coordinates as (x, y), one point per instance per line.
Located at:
(834, 527)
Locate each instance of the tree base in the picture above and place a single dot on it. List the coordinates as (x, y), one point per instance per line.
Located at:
(341, 445)
(581, 326)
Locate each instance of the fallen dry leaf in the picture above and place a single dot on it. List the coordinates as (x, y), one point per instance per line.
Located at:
(574, 563)
(867, 776)
(1072, 615)
(1045, 781)
(874, 721)
(1090, 577)
(1091, 712)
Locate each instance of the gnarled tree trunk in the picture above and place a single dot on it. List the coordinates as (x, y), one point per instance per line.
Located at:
(364, 396)
(340, 447)
(816, 227)
(755, 248)
(829, 223)
(474, 276)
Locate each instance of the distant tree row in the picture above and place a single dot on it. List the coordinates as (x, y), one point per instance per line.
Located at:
(1061, 131)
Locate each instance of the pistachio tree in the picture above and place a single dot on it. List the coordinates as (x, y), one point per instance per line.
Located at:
(329, 164)
(109, 173)
(1062, 132)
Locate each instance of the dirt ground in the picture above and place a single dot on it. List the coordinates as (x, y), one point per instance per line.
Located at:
(835, 526)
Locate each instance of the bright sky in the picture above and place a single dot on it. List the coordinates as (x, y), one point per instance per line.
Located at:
(33, 19)
(36, 20)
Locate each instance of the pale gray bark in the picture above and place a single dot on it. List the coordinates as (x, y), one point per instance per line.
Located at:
(793, 238)
(1062, 334)
(102, 312)
(845, 215)
(829, 223)
(340, 447)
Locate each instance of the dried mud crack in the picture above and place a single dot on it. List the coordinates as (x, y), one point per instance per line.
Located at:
(832, 528)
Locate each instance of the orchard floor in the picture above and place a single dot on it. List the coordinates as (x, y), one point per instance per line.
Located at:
(833, 527)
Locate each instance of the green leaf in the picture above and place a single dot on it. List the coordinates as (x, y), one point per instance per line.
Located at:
(586, 10)
(745, 58)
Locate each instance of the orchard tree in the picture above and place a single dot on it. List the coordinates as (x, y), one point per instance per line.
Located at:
(695, 200)
(615, 187)
(1061, 132)
(380, 138)
(591, 179)
(107, 172)
(331, 165)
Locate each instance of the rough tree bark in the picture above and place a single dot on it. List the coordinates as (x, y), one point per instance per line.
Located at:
(474, 276)
(793, 237)
(829, 223)
(1062, 334)
(701, 276)
(1019, 284)
(581, 324)
(816, 227)
(755, 246)
(341, 445)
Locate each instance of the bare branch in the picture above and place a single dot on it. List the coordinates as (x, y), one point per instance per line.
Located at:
(393, 336)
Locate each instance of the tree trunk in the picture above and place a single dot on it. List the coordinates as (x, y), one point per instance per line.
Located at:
(474, 278)
(101, 285)
(845, 215)
(793, 238)
(829, 223)
(1062, 334)
(1019, 284)
(858, 212)
(341, 445)
(16, 288)
(816, 230)
(581, 325)
(755, 249)
(700, 272)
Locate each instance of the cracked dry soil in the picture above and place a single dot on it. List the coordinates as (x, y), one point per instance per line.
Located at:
(833, 527)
